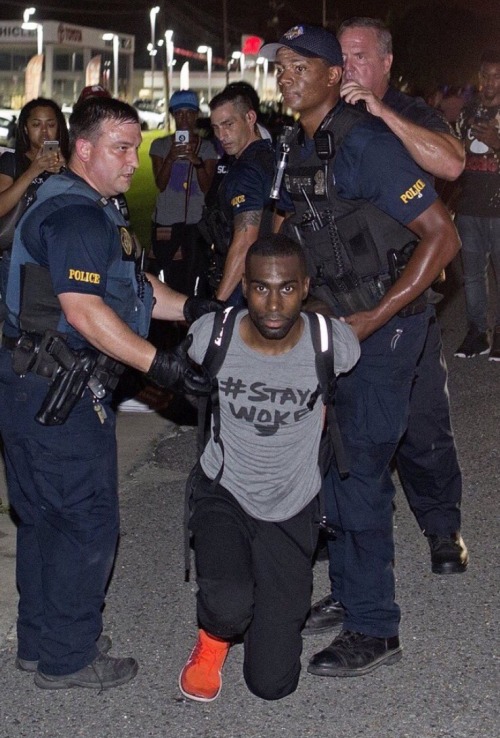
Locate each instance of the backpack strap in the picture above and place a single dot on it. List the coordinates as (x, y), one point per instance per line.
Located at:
(322, 339)
(222, 331)
(208, 407)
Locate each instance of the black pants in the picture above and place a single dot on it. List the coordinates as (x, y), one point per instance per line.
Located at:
(255, 581)
(183, 255)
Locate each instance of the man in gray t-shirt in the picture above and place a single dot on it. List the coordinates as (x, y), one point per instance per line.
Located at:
(255, 530)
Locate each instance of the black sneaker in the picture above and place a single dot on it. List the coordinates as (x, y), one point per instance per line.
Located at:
(325, 615)
(495, 345)
(103, 643)
(355, 654)
(104, 672)
(449, 554)
(475, 343)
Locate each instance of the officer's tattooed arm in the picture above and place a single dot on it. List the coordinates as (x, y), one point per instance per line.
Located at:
(245, 232)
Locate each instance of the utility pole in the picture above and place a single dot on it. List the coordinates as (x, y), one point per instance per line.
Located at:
(225, 38)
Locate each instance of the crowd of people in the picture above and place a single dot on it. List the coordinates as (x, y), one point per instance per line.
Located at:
(340, 218)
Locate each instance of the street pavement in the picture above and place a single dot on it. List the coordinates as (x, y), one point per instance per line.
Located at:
(446, 685)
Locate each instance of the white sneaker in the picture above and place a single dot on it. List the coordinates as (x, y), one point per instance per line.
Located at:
(134, 406)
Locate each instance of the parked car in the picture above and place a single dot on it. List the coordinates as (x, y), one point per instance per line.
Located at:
(149, 114)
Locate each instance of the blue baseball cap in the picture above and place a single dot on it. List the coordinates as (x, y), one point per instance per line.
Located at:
(312, 41)
(187, 99)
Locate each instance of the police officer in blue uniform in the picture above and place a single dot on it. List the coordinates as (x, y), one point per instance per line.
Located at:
(427, 457)
(361, 204)
(243, 207)
(78, 311)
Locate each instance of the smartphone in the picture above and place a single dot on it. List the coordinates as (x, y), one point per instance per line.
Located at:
(50, 147)
(182, 137)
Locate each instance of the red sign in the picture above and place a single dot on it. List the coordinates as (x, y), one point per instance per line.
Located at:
(250, 45)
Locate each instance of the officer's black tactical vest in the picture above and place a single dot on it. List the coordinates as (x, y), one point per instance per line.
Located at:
(219, 218)
(346, 241)
(33, 306)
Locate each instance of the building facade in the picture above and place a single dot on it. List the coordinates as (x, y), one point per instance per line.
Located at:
(68, 50)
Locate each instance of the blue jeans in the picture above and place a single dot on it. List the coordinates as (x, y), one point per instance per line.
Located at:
(480, 243)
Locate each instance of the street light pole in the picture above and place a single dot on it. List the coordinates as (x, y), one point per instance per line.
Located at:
(116, 59)
(169, 58)
(152, 17)
(209, 63)
(208, 51)
(226, 38)
(116, 48)
(28, 25)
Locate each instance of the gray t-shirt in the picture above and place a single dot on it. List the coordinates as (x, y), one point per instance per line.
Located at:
(171, 203)
(271, 439)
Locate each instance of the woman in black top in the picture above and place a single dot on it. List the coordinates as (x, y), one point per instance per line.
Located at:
(23, 170)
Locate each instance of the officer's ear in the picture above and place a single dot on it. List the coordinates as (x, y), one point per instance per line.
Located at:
(334, 76)
(387, 63)
(251, 117)
(305, 288)
(83, 148)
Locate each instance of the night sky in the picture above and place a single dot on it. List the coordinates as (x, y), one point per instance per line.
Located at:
(200, 21)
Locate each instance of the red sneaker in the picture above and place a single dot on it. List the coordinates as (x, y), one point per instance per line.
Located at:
(201, 679)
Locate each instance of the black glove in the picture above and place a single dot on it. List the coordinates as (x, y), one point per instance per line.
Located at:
(195, 307)
(174, 370)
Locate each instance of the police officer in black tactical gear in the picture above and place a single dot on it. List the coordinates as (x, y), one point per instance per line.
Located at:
(242, 208)
(78, 311)
(376, 237)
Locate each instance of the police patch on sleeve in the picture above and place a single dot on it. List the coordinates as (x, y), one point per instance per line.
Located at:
(79, 275)
(237, 201)
(414, 191)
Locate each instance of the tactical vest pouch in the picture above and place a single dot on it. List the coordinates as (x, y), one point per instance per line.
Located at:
(344, 263)
(215, 228)
(360, 244)
(31, 354)
(24, 353)
(40, 308)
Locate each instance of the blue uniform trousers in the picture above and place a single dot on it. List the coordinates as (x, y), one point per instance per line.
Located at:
(427, 457)
(62, 484)
(373, 403)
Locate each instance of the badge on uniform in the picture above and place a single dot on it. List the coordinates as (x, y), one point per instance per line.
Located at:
(129, 244)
